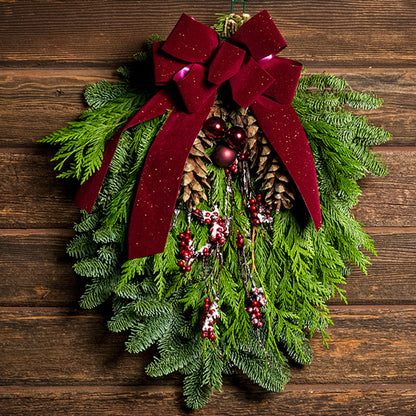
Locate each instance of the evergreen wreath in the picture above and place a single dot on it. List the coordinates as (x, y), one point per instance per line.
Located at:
(243, 280)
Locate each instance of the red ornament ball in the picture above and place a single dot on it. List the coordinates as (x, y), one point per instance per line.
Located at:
(224, 156)
(214, 127)
(236, 138)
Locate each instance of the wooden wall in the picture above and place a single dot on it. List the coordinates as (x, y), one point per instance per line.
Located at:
(56, 359)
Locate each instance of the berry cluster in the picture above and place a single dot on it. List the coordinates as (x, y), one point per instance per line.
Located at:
(209, 318)
(239, 239)
(233, 168)
(257, 301)
(219, 228)
(260, 213)
(186, 250)
(245, 155)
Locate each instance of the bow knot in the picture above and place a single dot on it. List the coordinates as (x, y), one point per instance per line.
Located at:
(195, 60)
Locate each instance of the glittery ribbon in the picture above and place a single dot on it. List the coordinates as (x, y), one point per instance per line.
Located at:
(190, 66)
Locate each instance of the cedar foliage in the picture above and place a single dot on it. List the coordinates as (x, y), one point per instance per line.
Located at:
(298, 268)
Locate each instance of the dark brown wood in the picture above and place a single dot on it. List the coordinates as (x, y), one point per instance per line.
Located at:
(328, 399)
(37, 200)
(357, 33)
(48, 280)
(56, 359)
(69, 347)
(50, 98)
(389, 201)
(31, 195)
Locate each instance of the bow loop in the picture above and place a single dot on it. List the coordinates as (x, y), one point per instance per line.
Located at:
(250, 83)
(164, 65)
(191, 41)
(192, 87)
(286, 74)
(260, 36)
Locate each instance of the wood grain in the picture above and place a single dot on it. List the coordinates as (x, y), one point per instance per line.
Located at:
(69, 347)
(49, 98)
(33, 198)
(56, 359)
(329, 399)
(389, 201)
(48, 279)
(358, 33)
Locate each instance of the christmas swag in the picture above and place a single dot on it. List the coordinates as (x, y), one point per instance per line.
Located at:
(201, 219)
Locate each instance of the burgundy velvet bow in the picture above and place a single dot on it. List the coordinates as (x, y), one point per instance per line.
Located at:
(193, 59)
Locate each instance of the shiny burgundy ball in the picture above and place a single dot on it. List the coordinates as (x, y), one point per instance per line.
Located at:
(214, 127)
(236, 138)
(224, 156)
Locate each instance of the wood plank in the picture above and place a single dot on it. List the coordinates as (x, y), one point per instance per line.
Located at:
(392, 276)
(358, 33)
(390, 201)
(36, 272)
(69, 347)
(33, 198)
(357, 399)
(31, 195)
(49, 98)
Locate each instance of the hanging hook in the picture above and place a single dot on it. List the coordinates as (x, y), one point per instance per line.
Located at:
(238, 1)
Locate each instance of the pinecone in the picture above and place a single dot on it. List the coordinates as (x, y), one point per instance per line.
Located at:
(232, 23)
(194, 178)
(275, 181)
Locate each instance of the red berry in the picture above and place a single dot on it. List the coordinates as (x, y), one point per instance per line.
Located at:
(207, 221)
(260, 324)
(222, 241)
(188, 268)
(255, 303)
(256, 221)
(181, 263)
(204, 334)
(255, 321)
(197, 211)
(252, 201)
(207, 300)
(211, 335)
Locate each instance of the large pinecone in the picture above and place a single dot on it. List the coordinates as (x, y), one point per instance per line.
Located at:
(276, 184)
(194, 178)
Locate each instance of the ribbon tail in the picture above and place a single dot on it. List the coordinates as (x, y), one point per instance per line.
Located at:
(282, 127)
(160, 181)
(88, 192)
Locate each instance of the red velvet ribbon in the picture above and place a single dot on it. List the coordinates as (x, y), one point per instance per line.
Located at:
(193, 59)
